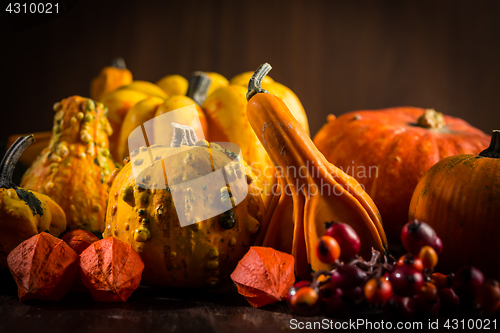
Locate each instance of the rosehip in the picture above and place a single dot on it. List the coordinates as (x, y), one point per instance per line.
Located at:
(428, 256)
(327, 250)
(416, 234)
(397, 307)
(353, 296)
(406, 280)
(440, 280)
(412, 261)
(347, 238)
(438, 245)
(488, 296)
(449, 299)
(302, 298)
(427, 307)
(333, 304)
(466, 282)
(378, 290)
(348, 277)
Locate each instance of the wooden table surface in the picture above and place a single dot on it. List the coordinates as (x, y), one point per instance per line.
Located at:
(163, 310)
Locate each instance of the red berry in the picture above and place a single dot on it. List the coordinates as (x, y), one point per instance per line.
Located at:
(426, 307)
(449, 300)
(353, 296)
(466, 282)
(416, 234)
(378, 290)
(327, 250)
(347, 238)
(302, 298)
(348, 277)
(428, 292)
(406, 280)
(438, 245)
(397, 307)
(440, 280)
(488, 296)
(333, 304)
(428, 256)
(412, 261)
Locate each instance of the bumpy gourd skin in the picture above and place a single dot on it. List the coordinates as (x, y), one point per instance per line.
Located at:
(197, 255)
(72, 170)
(23, 213)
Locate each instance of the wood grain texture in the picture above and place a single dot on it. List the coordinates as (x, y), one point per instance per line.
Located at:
(338, 56)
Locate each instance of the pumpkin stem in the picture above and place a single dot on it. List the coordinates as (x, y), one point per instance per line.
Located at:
(493, 150)
(256, 80)
(118, 62)
(199, 83)
(431, 119)
(183, 135)
(10, 159)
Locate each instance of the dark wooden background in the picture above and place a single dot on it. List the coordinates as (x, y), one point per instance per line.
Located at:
(338, 56)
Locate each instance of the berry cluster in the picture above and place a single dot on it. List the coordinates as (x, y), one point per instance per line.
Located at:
(404, 288)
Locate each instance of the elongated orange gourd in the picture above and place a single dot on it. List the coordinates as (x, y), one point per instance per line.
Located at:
(314, 191)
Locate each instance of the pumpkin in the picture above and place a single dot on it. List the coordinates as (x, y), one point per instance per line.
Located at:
(389, 150)
(146, 87)
(195, 96)
(141, 212)
(118, 103)
(460, 198)
(152, 107)
(173, 84)
(298, 212)
(110, 78)
(72, 170)
(282, 92)
(23, 213)
(217, 81)
(136, 116)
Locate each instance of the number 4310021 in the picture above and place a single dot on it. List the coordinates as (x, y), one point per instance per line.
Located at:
(32, 8)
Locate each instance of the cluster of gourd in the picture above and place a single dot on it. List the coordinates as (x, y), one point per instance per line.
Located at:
(81, 169)
(404, 288)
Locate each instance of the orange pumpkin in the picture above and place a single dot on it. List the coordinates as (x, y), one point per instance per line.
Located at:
(460, 198)
(389, 150)
(110, 78)
(73, 169)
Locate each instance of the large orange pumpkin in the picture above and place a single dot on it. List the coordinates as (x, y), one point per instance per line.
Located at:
(460, 198)
(389, 150)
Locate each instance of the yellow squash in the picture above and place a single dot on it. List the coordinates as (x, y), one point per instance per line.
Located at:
(23, 213)
(119, 102)
(173, 84)
(218, 81)
(72, 170)
(313, 190)
(137, 115)
(227, 120)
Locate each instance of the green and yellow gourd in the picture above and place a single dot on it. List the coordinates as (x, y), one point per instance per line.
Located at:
(23, 213)
(73, 169)
(141, 212)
